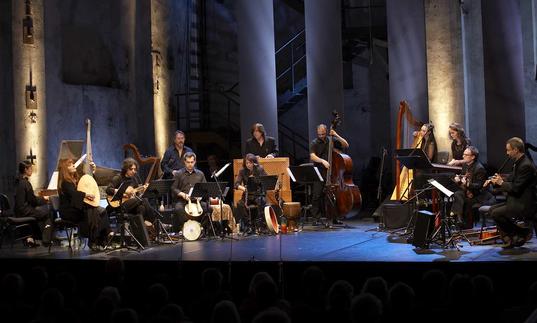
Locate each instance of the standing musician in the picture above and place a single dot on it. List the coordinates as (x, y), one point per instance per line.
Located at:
(131, 203)
(459, 142)
(319, 156)
(250, 168)
(173, 159)
(184, 180)
(29, 205)
(471, 186)
(93, 221)
(519, 187)
(260, 144)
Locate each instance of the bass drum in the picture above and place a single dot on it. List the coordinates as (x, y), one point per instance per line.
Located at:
(271, 219)
(191, 230)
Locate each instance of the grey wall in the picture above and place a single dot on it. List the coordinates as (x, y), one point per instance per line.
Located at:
(112, 107)
(407, 59)
(504, 83)
(528, 16)
(7, 131)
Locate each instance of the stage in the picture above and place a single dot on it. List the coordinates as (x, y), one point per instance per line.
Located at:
(358, 241)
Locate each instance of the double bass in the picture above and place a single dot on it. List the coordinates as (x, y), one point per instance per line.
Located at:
(341, 193)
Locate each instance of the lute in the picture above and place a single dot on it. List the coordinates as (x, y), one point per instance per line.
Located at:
(87, 183)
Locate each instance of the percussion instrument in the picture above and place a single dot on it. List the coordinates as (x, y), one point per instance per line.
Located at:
(271, 219)
(291, 211)
(191, 230)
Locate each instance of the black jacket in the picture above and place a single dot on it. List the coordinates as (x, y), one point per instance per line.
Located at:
(25, 199)
(520, 186)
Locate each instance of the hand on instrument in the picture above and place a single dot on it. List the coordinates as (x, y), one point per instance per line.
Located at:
(93, 167)
(497, 179)
(452, 162)
(333, 133)
(457, 179)
(90, 197)
(325, 164)
(270, 156)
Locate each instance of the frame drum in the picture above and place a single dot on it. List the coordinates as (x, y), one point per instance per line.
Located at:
(191, 230)
(271, 219)
(291, 211)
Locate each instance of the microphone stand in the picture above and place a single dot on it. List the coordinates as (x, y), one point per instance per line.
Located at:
(221, 202)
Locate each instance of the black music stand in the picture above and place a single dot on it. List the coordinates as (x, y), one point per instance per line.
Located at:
(307, 175)
(118, 196)
(157, 188)
(206, 190)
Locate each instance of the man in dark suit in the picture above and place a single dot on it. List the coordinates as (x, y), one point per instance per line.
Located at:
(471, 190)
(260, 144)
(519, 187)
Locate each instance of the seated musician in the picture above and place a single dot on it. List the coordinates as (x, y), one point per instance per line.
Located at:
(459, 142)
(319, 156)
(427, 143)
(92, 221)
(519, 186)
(173, 159)
(29, 205)
(260, 144)
(471, 191)
(131, 203)
(250, 169)
(184, 180)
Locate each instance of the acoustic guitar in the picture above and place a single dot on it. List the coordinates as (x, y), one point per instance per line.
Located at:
(130, 192)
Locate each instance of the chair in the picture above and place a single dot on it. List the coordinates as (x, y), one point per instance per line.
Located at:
(59, 223)
(10, 225)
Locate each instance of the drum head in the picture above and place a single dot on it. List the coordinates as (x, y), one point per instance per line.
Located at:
(271, 219)
(191, 230)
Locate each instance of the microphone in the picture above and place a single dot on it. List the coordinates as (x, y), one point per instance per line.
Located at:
(221, 170)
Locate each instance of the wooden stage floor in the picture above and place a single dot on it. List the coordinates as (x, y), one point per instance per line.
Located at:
(359, 242)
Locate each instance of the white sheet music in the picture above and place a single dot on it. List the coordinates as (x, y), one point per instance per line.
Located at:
(291, 174)
(319, 174)
(440, 187)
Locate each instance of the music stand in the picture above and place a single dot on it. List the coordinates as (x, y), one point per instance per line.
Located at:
(156, 189)
(118, 196)
(206, 190)
(307, 175)
(446, 222)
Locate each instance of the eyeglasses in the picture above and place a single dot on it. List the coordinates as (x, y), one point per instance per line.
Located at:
(467, 154)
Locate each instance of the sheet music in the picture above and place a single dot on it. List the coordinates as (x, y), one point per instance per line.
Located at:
(440, 187)
(318, 174)
(291, 175)
(53, 184)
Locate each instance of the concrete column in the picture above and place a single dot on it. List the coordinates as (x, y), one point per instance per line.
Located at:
(29, 85)
(504, 77)
(324, 61)
(257, 66)
(474, 81)
(160, 14)
(529, 42)
(445, 79)
(408, 67)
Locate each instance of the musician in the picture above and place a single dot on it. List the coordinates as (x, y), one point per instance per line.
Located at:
(319, 156)
(135, 205)
(519, 187)
(427, 142)
(260, 144)
(184, 180)
(471, 186)
(459, 142)
(29, 205)
(173, 159)
(250, 168)
(92, 221)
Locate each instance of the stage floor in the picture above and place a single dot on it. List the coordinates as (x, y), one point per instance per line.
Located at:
(359, 242)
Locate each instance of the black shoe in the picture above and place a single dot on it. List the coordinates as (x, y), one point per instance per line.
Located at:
(336, 221)
(518, 241)
(508, 242)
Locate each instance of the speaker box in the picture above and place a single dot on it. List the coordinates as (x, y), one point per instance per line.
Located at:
(423, 229)
(396, 214)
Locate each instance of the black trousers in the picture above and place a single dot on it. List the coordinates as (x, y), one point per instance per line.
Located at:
(139, 206)
(42, 229)
(251, 218)
(506, 220)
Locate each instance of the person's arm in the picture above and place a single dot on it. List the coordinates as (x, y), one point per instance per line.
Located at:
(240, 181)
(76, 197)
(344, 143)
(164, 164)
(525, 174)
(479, 178)
(273, 148)
(114, 184)
(176, 191)
(316, 159)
